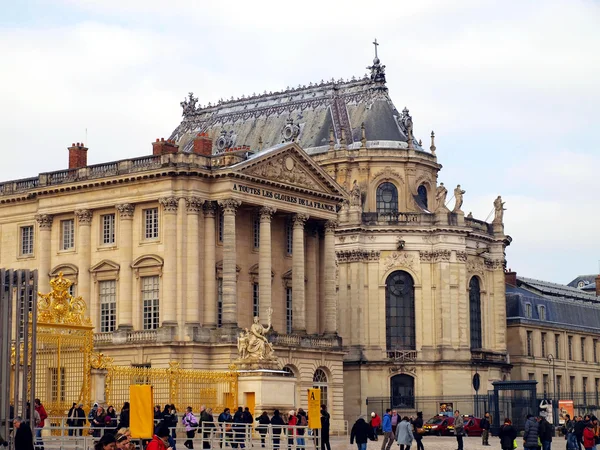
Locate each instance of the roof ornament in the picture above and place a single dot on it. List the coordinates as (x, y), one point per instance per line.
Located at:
(291, 131)
(377, 69)
(189, 105)
(432, 148)
(331, 138)
(363, 136)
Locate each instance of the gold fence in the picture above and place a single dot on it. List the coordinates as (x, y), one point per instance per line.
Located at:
(182, 387)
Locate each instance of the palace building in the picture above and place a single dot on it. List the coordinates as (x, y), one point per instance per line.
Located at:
(317, 204)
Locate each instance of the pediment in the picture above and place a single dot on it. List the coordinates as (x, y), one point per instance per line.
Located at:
(66, 269)
(147, 261)
(105, 266)
(290, 165)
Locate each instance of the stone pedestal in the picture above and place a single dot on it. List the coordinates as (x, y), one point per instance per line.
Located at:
(355, 215)
(441, 217)
(98, 386)
(460, 218)
(271, 389)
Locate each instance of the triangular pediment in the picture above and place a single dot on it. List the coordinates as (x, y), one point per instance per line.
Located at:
(289, 165)
(105, 266)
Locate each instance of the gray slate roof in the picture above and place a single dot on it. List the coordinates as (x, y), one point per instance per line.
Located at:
(555, 290)
(303, 115)
(587, 280)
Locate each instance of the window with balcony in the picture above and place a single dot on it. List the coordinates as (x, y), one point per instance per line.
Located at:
(67, 238)
(220, 226)
(387, 198)
(475, 313)
(400, 311)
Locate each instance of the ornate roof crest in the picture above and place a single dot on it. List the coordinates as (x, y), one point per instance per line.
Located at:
(189, 105)
(60, 307)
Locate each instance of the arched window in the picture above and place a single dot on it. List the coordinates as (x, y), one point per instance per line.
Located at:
(400, 311)
(422, 193)
(403, 391)
(387, 198)
(320, 382)
(475, 312)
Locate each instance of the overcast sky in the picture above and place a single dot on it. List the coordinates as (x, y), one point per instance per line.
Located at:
(511, 88)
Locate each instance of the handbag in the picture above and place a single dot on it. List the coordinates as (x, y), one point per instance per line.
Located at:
(515, 445)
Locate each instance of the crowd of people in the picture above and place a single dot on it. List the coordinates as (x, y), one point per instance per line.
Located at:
(403, 430)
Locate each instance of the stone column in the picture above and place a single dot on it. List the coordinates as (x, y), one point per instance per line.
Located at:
(210, 289)
(44, 251)
(264, 261)
(230, 207)
(84, 247)
(312, 271)
(193, 255)
(298, 297)
(329, 275)
(126, 297)
(168, 294)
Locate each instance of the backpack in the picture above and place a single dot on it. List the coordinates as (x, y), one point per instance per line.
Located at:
(303, 421)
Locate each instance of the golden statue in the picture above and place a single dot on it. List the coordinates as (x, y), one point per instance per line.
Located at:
(60, 307)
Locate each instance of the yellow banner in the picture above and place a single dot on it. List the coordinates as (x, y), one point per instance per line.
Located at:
(141, 415)
(314, 408)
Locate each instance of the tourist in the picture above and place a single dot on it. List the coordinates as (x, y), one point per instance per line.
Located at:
(190, 423)
(92, 413)
(79, 420)
(160, 440)
(546, 431)
(325, 424)
(395, 420)
(39, 408)
(98, 421)
(361, 432)
(238, 428)
(302, 424)
(23, 435)
(418, 430)
(578, 428)
(157, 417)
(589, 438)
(170, 421)
(124, 416)
(507, 435)
(277, 425)
(386, 428)
(71, 419)
(106, 442)
(459, 429)
(263, 427)
(531, 434)
(375, 423)
(208, 425)
(404, 434)
(249, 421)
(3, 443)
(292, 422)
(174, 421)
(225, 420)
(110, 420)
(485, 424)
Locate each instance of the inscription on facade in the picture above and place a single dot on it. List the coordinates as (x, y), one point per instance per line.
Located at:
(283, 197)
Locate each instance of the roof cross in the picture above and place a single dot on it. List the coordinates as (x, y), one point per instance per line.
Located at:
(375, 43)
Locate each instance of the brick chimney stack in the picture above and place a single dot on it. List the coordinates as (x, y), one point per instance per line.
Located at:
(77, 155)
(162, 147)
(203, 144)
(510, 278)
(598, 285)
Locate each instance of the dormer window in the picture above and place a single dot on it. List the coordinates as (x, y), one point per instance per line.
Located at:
(528, 311)
(542, 312)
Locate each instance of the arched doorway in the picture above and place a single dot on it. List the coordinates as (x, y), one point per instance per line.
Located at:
(400, 311)
(402, 388)
(320, 382)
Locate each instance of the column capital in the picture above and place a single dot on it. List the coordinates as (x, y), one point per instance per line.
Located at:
(84, 216)
(126, 210)
(299, 220)
(266, 213)
(44, 221)
(209, 208)
(230, 205)
(193, 205)
(330, 226)
(169, 204)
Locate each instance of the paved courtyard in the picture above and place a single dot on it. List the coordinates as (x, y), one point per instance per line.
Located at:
(429, 442)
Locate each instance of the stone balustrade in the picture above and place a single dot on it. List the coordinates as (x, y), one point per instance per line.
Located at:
(402, 355)
(488, 357)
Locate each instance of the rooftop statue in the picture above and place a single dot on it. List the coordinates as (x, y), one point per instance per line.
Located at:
(189, 104)
(499, 210)
(458, 196)
(355, 195)
(440, 198)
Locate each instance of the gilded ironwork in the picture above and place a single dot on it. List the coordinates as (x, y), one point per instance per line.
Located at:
(59, 307)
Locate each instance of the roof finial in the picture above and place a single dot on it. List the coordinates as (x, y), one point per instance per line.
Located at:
(377, 70)
(331, 138)
(363, 136)
(376, 44)
(432, 148)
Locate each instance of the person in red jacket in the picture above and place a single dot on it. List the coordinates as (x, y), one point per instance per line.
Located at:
(375, 423)
(292, 422)
(160, 441)
(39, 444)
(588, 436)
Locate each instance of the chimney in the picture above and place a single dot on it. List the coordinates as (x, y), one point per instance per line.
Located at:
(598, 286)
(77, 155)
(161, 147)
(203, 144)
(510, 278)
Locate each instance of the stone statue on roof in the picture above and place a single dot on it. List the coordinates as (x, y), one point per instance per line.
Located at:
(189, 105)
(458, 196)
(355, 195)
(377, 69)
(499, 210)
(440, 198)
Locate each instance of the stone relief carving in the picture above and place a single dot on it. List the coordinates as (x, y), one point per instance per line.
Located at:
(435, 256)
(475, 266)
(44, 220)
(126, 210)
(284, 169)
(388, 173)
(403, 369)
(346, 256)
(193, 205)
(399, 259)
(461, 256)
(494, 264)
(290, 132)
(84, 216)
(170, 204)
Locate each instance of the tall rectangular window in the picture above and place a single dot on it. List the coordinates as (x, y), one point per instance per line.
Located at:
(67, 228)
(546, 385)
(583, 349)
(150, 302)
(289, 236)
(531, 376)
(108, 229)
(595, 344)
(288, 310)
(542, 312)
(108, 306)
(255, 300)
(528, 311)
(26, 240)
(256, 231)
(220, 302)
(58, 385)
(558, 387)
(529, 343)
(571, 386)
(151, 223)
(557, 346)
(570, 347)
(220, 225)
(25, 310)
(597, 391)
(584, 382)
(543, 345)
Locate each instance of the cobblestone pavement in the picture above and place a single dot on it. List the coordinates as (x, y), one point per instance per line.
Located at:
(429, 442)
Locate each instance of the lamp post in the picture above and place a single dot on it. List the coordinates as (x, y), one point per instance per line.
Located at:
(550, 359)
